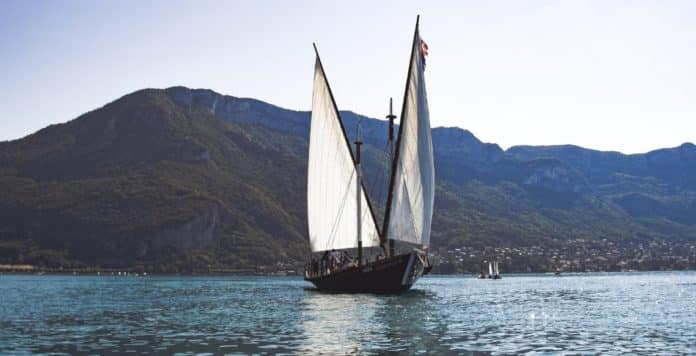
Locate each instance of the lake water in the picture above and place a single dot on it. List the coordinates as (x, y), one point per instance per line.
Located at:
(576, 313)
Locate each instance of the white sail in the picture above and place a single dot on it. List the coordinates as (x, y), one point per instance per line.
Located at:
(413, 188)
(490, 269)
(332, 179)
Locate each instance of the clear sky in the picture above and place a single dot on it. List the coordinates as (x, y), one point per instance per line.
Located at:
(609, 75)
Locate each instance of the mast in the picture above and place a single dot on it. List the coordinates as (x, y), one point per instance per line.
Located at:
(391, 117)
(358, 195)
(395, 159)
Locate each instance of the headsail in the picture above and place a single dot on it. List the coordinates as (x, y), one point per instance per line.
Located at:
(332, 178)
(412, 188)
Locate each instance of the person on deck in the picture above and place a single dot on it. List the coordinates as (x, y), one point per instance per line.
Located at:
(325, 263)
(313, 267)
(337, 260)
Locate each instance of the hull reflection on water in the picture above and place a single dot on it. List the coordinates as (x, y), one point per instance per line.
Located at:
(337, 323)
(357, 323)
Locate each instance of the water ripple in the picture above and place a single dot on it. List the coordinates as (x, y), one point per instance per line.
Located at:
(645, 313)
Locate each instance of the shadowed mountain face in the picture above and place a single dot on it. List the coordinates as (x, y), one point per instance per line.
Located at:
(181, 179)
(144, 180)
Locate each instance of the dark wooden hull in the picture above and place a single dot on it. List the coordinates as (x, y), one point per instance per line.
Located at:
(387, 276)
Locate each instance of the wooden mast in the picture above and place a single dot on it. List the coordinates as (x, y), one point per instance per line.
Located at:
(358, 172)
(391, 117)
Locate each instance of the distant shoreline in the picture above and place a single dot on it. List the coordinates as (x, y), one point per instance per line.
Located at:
(126, 271)
(130, 272)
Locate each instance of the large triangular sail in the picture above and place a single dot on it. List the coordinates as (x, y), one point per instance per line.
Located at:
(412, 188)
(332, 179)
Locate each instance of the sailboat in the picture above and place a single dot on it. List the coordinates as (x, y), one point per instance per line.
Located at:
(493, 271)
(340, 215)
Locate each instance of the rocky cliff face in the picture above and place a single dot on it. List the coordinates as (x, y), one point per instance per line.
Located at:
(461, 144)
(554, 175)
(196, 233)
(241, 110)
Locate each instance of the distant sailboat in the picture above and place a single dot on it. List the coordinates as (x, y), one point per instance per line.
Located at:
(340, 214)
(493, 271)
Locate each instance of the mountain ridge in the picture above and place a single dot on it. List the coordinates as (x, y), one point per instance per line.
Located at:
(183, 179)
(183, 89)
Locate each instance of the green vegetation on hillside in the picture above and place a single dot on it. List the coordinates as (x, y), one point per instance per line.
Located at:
(182, 180)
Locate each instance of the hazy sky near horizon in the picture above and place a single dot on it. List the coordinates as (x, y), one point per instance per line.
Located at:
(608, 75)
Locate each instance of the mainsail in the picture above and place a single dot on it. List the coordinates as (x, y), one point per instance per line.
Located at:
(410, 204)
(332, 208)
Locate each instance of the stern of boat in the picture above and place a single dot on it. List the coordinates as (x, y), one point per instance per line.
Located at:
(418, 266)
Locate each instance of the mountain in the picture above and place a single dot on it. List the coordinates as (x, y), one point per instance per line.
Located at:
(187, 180)
(658, 184)
(145, 181)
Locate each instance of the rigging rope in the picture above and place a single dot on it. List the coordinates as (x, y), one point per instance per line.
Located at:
(337, 220)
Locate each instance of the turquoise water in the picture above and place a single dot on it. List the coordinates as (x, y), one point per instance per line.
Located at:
(585, 313)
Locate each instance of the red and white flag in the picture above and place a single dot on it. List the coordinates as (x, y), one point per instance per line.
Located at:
(424, 50)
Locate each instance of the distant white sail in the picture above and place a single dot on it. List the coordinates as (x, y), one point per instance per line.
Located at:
(413, 189)
(332, 178)
(490, 268)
